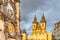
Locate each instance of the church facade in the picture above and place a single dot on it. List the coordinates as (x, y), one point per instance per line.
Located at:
(38, 31)
(9, 19)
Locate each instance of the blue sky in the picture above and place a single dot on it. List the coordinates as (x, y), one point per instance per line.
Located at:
(29, 8)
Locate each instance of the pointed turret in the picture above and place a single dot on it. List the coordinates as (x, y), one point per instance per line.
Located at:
(43, 24)
(35, 25)
(35, 19)
(43, 18)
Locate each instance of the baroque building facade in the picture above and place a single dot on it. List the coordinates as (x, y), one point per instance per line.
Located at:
(38, 31)
(57, 31)
(9, 19)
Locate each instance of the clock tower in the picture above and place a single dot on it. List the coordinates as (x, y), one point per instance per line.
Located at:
(10, 19)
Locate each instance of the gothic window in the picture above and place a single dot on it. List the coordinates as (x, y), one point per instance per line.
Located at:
(34, 30)
(33, 26)
(43, 25)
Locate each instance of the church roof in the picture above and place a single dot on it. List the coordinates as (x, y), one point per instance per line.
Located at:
(43, 18)
(35, 19)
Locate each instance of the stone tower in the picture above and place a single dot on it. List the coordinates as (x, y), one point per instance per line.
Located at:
(35, 24)
(36, 27)
(10, 18)
(43, 24)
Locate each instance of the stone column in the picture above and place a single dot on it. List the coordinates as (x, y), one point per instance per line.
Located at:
(2, 35)
(17, 4)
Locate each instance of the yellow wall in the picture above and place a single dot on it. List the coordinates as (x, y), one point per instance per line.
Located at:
(23, 36)
(49, 36)
(45, 36)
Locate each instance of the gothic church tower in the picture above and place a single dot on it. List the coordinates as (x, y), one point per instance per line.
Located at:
(43, 24)
(39, 28)
(35, 24)
(36, 27)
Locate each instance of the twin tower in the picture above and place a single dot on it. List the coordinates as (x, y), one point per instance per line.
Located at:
(38, 31)
(39, 28)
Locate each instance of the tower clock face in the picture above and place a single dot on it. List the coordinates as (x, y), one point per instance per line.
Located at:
(11, 29)
(10, 10)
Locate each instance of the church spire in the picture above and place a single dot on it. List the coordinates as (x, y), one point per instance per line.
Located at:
(35, 19)
(43, 18)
